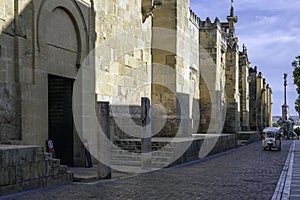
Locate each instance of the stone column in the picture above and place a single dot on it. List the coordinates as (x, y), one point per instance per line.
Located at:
(212, 76)
(169, 88)
(244, 66)
(252, 101)
(259, 82)
(285, 107)
(146, 145)
(270, 107)
(264, 103)
(164, 69)
(104, 147)
(232, 121)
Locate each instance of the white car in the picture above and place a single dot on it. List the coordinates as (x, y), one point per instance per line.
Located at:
(271, 138)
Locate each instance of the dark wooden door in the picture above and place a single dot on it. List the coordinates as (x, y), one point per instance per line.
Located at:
(60, 117)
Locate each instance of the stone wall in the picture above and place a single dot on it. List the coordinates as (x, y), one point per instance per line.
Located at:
(174, 83)
(10, 110)
(39, 38)
(260, 101)
(270, 103)
(264, 103)
(212, 71)
(244, 65)
(34, 45)
(220, 144)
(188, 67)
(28, 167)
(252, 102)
(123, 53)
(232, 122)
(194, 71)
(123, 60)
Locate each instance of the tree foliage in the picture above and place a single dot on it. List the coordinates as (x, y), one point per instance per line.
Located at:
(275, 125)
(297, 131)
(296, 76)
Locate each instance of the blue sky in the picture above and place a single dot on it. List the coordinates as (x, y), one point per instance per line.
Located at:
(270, 29)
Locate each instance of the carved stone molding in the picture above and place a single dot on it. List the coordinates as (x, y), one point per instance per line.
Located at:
(147, 8)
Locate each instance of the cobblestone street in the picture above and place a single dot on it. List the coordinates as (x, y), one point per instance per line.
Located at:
(247, 172)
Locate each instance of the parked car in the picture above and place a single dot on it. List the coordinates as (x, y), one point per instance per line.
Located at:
(271, 138)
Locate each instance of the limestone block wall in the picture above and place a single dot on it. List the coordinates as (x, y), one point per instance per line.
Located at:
(270, 103)
(10, 110)
(259, 102)
(123, 59)
(164, 57)
(194, 23)
(252, 101)
(39, 38)
(267, 121)
(28, 167)
(223, 143)
(172, 76)
(232, 122)
(212, 72)
(185, 82)
(244, 66)
(264, 103)
(123, 51)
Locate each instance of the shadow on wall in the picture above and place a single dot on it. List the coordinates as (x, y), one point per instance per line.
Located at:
(41, 39)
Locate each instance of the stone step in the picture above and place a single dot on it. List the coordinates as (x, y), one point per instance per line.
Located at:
(161, 159)
(128, 153)
(29, 167)
(125, 157)
(138, 158)
(163, 153)
(166, 152)
(138, 143)
(128, 148)
(132, 146)
(138, 163)
(154, 148)
(14, 155)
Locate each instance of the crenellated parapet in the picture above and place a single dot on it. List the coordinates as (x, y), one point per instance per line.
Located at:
(208, 24)
(253, 70)
(260, 94)
(195, 19)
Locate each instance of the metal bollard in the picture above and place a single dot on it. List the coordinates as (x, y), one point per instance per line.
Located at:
(104, 147)
(146, 145)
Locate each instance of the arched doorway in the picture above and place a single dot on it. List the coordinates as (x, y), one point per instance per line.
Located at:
(62, 43)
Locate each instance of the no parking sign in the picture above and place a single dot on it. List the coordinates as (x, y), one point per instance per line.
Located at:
(51, 148)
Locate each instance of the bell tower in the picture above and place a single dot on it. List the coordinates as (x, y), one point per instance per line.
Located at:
(232, 20)
(232, 120)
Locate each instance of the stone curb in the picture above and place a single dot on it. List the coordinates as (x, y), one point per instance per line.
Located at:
(283, 187)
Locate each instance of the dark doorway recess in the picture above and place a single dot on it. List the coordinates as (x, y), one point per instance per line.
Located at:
(60, 118)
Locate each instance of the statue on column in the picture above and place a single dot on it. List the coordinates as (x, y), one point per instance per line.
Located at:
(286, 123)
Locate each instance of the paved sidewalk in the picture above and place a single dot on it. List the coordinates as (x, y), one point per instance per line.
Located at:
(295, 182)
(246, 173)
(288, 186)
